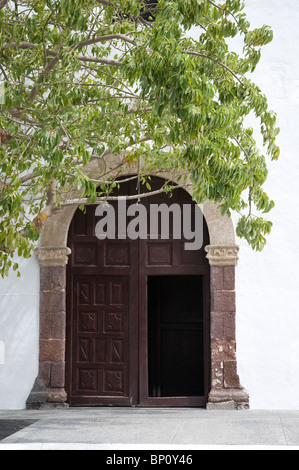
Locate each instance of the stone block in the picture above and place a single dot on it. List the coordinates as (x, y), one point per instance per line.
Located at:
(216, 278)
(45, 326)
(52, 350)
(231, 378)
(222, 406)
(57, 375)
(223, 350)
(229, 278)
(38, 394)
(45, 372)
(52, 302)
(223, 301)
(52, 278)
(58, 325)
(52, 325)
(217, 375)
(217, 326)
(57, 395)
(229, 325)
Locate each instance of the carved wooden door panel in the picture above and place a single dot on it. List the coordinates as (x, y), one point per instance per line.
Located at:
(102, 317)
(100, 338)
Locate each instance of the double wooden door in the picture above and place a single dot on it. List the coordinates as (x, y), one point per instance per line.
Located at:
(137, 316)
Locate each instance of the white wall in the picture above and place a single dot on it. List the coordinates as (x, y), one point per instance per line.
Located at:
(268, 282)
(19, 335)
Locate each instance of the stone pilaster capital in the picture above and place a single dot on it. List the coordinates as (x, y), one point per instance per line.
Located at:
(222, 255)
(52, 256)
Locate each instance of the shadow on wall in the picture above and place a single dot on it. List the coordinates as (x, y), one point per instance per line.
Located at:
(19, 335)
(2, 353)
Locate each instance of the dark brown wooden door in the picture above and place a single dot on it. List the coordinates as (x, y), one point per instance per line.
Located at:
(137, 316)
(100, 336)
(102, 317)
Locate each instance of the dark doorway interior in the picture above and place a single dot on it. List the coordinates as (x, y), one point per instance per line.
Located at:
(175, 336)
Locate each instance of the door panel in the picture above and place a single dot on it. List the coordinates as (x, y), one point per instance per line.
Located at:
(100, 352)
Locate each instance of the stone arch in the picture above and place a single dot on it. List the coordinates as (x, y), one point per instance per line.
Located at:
(222, 253)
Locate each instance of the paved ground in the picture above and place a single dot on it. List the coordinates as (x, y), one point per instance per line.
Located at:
(123, 429)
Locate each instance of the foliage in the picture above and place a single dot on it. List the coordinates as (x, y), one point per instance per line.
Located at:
(85, 79)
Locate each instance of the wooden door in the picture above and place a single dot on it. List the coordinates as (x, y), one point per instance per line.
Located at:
(100, 350)
(174, 343)
(137, 316)
(102, 317)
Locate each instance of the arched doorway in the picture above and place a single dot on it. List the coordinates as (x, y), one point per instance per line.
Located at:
(53, 254)
(138, 310)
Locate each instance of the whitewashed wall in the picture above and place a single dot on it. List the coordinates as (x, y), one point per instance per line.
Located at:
(19, 335)
(267, 282)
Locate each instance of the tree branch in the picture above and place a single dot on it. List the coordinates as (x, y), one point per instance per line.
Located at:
(214, 5)
(199, 54)
(47, 70)
(101, 200)
(97, 60)
(249, 171)
(21, 45)
(106, 3)
(4, 73)
(224, 11)
(51, 196)
(3, 3)
(109, 37)
(53, 53)
(243, 150)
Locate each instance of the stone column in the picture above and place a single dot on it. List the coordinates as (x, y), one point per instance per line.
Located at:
(226, 390)
(49, 387)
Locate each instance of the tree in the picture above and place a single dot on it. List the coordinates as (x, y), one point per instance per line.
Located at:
(88, 79)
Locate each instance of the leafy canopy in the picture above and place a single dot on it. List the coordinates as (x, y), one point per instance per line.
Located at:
(87, 79)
